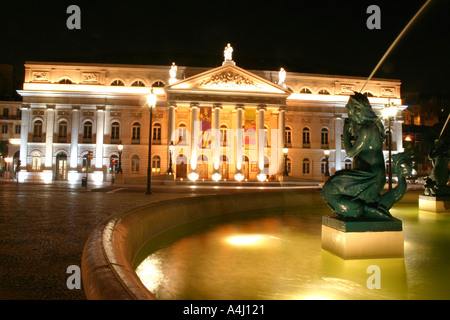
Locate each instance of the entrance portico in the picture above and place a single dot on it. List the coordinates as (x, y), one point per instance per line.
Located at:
(234, 115)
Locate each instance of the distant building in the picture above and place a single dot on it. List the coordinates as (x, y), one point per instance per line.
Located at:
(225, 123)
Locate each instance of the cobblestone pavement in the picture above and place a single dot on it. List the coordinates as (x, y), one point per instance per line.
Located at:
(43, 229)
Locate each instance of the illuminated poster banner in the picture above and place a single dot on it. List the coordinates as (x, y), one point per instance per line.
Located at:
(250, 129)
(205, 122)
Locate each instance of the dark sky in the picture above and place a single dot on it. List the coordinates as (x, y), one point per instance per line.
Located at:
(302, 36)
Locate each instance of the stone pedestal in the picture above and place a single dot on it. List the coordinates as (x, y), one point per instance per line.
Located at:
(353, 239)
(434, 204)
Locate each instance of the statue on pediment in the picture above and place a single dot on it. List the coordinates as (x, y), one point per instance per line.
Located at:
(228, 53)
(281, 76)
(173, 70)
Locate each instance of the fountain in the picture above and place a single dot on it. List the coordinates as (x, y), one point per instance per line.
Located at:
(284, 238)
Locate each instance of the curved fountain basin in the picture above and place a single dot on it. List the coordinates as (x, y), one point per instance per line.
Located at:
(108, 261)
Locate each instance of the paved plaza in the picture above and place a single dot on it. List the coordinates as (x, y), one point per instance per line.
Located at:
(44, 229)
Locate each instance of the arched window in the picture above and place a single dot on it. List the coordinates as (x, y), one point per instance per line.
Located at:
(305, 90)
(158, 84)
(114, 163)
(324, 91)
(136, 133)
(324, 138)
(115, 131)
(323, 165)
(223, 135)
(37, 131)
(182, 134)
(156, 164)
(135, 163)
(138, 83)
(306, 138)
(288, 165)
(306, 166)
(288, 137)
(62, 131)
(35, 161)
(156, 138)
(202, 166)
(87, 132)
(117, 83)
(348, 164)
(388, 138)
(65, 81)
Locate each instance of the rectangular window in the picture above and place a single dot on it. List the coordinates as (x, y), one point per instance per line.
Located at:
(17, 129)
(5, 128)
(5, 112)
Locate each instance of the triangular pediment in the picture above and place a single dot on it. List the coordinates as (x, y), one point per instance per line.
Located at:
(228, 78)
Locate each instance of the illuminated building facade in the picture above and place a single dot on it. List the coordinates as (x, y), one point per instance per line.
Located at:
(225, 123)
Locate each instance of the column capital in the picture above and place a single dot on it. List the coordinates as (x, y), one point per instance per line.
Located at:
(194, 105)
(25, 107)
(262, 107)
(76, 108)
(50, 106)
(240, 107)
(282, 108)
(101, 108)
(217, 106)
(171, 104)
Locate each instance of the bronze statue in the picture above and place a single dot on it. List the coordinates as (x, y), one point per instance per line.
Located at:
(355, 193)
(436, 183)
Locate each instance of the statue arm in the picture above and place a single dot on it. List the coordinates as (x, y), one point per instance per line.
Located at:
(359, 144)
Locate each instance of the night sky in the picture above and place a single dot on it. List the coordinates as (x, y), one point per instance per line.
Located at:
(302, 36)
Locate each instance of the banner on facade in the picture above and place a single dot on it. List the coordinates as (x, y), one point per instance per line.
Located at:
(205, 118)
(250, 128)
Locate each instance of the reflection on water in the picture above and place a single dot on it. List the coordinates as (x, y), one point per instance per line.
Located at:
(278, 256)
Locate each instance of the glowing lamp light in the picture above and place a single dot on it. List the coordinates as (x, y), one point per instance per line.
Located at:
(285, 150)
(239, 177)
(389, 111)
(193, 176)
(326, 152)
(151, 100)
(261, 177)
(408, 138)
(171, 147)
(216, 176)
(120, 147)
(9, 160)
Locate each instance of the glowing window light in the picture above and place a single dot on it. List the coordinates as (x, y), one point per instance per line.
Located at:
(216, 176)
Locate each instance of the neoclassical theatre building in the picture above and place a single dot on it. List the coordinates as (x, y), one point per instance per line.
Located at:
(224, 123)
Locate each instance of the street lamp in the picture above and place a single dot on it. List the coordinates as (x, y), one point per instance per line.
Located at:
(171, 149)
(326, 152)
(120, 148)
(389, 112)
(285, 152)
(151, 100)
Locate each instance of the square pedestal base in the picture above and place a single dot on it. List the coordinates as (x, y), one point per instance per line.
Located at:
(434, 204)
(382, 240)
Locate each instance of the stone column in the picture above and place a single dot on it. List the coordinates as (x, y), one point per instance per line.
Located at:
(398, 135)
(239, 137)
(49, 132)
(216, 135)
(281, 138)
(170, 133)
(338, 127)
(99, 137)
(74, 137)
(261, 110)
(195, 131)
(24, 132)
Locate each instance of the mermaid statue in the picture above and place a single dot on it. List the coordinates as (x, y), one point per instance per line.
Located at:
(355, 193)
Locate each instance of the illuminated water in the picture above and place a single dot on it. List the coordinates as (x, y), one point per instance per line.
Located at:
(278, 256)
